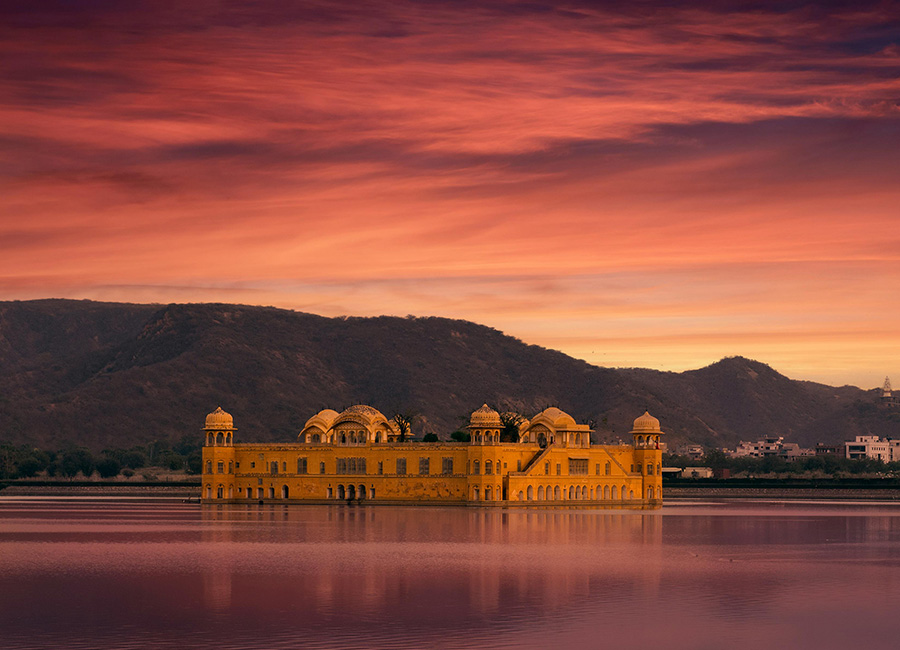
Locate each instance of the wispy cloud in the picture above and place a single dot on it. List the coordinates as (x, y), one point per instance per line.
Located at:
(376, 157)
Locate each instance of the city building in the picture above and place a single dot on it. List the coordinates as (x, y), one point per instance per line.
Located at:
(870, 447)
(771, 446)
(359, 454)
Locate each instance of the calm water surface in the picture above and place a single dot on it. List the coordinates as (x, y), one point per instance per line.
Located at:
(118, 574)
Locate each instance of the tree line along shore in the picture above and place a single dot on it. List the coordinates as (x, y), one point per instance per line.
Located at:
(142, 462)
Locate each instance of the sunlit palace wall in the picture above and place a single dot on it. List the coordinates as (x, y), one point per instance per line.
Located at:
(361, 456)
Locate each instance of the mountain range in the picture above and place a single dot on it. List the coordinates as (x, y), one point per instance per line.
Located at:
(116, 375)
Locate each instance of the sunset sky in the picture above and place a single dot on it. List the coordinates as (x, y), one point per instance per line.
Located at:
(645, 184)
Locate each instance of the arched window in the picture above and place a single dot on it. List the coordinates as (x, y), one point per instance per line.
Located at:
(614, 494)
(475, 494)
(219, 492)
(624, 493)
(343, 438)
(520, 496)
(578, 439)
(571, 492)
(476, 467)
(606, 492)
(649, 492)
(556, 493)
(316, 438)
(209, 492)
(540, 493)
(274, 467)
(530, 493)
(209, 467)
(340, 492)
(488, 493)
(488, 467)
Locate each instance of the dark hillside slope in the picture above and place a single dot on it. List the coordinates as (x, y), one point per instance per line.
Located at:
(104, 374)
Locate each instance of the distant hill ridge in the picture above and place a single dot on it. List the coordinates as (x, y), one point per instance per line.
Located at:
(115, 374)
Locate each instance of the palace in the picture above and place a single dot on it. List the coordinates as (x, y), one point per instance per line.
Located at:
(360, 455)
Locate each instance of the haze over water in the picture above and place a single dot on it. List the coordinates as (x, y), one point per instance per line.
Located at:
(118, 574)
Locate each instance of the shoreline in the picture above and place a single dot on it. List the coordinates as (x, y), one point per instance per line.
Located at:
(680, 492)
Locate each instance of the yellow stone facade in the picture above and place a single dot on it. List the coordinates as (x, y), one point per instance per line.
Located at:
(359, 455)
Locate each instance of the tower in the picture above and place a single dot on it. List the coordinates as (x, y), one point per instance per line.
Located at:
(886, 393)
(219, 429)
(647, 455)
(218, 456)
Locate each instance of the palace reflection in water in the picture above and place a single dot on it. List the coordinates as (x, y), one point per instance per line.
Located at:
(483, 560)
(87, 574)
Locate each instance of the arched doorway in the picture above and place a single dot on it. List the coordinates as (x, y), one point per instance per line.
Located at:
(284, 491)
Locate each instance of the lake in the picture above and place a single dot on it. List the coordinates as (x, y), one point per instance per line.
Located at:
(95, 573)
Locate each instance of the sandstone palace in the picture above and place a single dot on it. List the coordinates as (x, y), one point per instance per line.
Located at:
(360, 456)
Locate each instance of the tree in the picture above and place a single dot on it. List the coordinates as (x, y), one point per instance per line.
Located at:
(134, 459)
(430, 437)
(194, 463)
(461, 436)
(76, 460)
(404, 424)
(108, 467)
(509, 422)
(29, 466)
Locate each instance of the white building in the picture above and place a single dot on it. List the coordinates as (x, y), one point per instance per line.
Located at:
(872, 447)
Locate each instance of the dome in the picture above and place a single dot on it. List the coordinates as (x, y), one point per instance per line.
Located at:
(363, 408)
(360, 413)
(219, 419)
(559, 418)
(322, 419)
(646, 424)
(485, 417)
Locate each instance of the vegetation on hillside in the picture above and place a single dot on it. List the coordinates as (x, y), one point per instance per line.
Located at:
(104, 376)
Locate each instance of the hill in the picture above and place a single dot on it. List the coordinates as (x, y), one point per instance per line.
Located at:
(114, 375)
